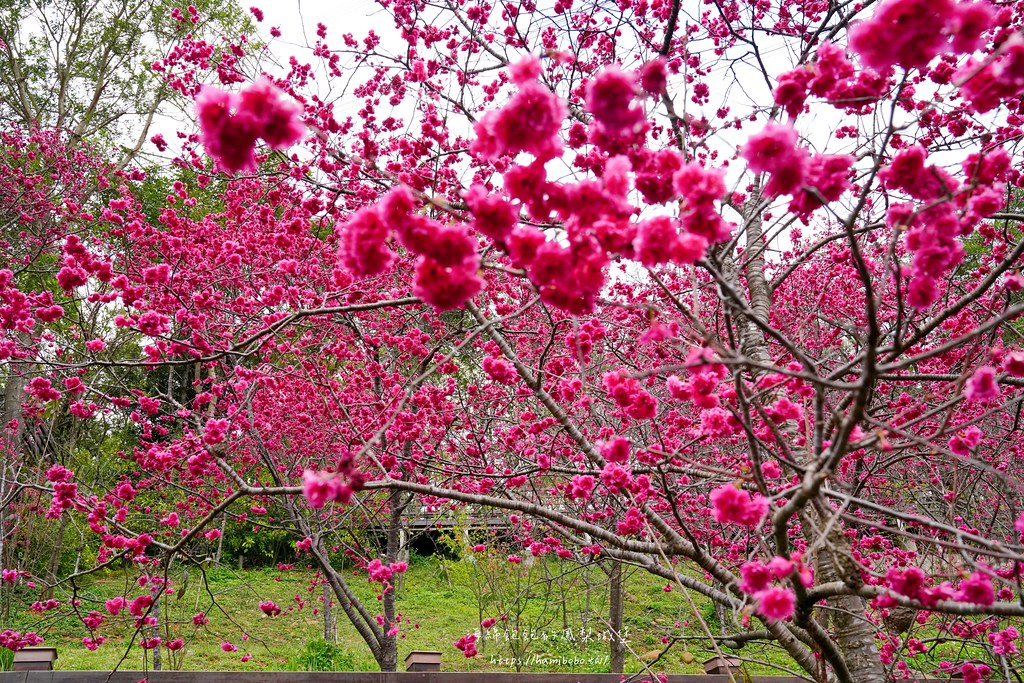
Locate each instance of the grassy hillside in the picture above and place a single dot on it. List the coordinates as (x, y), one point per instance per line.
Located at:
(560, 622)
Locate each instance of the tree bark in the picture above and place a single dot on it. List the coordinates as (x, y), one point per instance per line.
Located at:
(852, 632)
(615, 599)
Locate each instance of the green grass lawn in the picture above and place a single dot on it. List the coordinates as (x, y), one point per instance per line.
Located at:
(437, 606)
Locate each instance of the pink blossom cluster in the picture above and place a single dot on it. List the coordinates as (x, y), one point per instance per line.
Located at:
(986, 84)
(913, 583)
(270, 608)
(493, 216)
(15, 640)
(700, 187)
(64, 490)
(616, 449)
(499, 370)
(93, 644)
(812, 180)
(632, 524)
(610, 98)
(79, 263)
(321, 487)
(965, 441)
(446, 273)
(569, 277)
(92, 620)
(700, 387)
(230, 124)
(975, 673)
(732, 505)
(774, 602)
(910, 33)
(530, 122)
(382, 573)
(932, 232)
(629, 395)
(982, 386)
(467, 644)
(1004, 642)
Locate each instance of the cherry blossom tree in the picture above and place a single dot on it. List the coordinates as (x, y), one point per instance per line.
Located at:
(726, 291)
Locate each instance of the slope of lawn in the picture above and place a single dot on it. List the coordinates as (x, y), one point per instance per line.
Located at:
(560, 621)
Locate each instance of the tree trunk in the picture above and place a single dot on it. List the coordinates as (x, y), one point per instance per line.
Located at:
(615, 600)
(853, 634)
(158, 662)
(330, 628)
(399, 501)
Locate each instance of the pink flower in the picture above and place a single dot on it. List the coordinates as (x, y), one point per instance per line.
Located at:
(791, 91)
(965, 441)
(630, 395)
(93, 644)
(493, 216)
(985, 86)
(654, 76)
(92, 621)
(9, 575)
(317, 489)
(656, 240)
(616, 478)
(909, 582)
(911, 33)
(321, 487)
(378, 571)
(735, 506)
(140, 605)
(616, 449)
(448, 245)
(755, 577)
(467, 644)
(829, 176)
(270, 608)
(609, 96)
(362, 244)
(228, 647)
(447, 287)
(776, 603)
(215, 431)
(775, 150)
(230, 124)
(1003, 641)
(982, 386)
(581, 487)
(530, 122)
(114, 606)
(974, 673)
(976, 589)
(231, 146)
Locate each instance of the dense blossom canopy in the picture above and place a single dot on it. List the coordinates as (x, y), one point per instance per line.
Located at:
(728, 291)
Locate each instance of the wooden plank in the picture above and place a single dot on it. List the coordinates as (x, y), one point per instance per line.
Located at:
(348, 677)
(361, 677)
